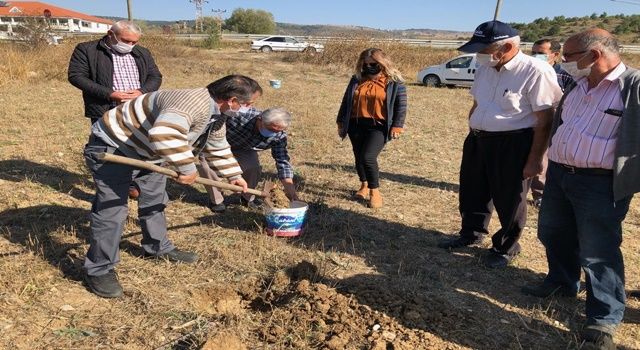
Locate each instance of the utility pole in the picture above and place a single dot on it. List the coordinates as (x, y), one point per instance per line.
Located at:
(498, 4)
(129, 10)
(199, 12)
(218, 13)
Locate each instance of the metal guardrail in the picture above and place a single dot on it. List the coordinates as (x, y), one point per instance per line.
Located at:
(444, 44)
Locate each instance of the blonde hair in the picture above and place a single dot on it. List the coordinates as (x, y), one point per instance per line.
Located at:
(388, 69)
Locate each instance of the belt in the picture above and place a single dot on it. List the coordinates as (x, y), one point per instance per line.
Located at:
(483, 133)
(583, 171)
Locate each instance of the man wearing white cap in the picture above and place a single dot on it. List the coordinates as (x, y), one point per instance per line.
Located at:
(509, 124)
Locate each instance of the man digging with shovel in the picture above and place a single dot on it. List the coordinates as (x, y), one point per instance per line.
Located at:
(170, 126)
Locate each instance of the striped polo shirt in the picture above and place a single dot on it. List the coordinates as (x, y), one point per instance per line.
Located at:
(590, 121)
(163, 126)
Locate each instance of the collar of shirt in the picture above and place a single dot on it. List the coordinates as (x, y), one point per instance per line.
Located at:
(513, 62)
(612, 76)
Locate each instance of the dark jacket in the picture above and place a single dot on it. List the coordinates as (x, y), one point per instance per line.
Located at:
(626, 166)
(91, 70)
(396, 106)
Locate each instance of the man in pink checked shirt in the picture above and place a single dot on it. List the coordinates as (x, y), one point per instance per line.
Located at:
(594, 166)
(113, 70)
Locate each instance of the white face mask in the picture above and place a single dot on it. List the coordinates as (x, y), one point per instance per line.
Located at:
(232, 114)
(487, 59)
(574, 71)
(121, 47)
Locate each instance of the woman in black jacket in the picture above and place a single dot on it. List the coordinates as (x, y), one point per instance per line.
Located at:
(372, 112)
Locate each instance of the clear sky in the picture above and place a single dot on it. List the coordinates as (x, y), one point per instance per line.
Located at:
(463, 15)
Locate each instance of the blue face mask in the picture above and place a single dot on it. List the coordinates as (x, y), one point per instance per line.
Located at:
(542, 57)
(266, 132)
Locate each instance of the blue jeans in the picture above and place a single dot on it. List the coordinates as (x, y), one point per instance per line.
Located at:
(580, 225)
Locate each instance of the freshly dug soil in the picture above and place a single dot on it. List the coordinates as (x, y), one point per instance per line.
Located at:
(279, 198)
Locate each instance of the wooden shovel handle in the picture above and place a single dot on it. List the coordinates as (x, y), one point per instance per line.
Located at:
(108, 157)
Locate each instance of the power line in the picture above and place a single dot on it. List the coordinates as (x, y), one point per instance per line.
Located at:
(628, 2)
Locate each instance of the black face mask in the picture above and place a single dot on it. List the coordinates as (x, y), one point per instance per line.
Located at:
(371, 68)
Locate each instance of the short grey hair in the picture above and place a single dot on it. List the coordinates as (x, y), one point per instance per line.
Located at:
(515, 40)
(121, 26)
(606, 43)
(276, 117)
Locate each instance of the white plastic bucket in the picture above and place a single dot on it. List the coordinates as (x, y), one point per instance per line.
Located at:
(275, 83)
(286, 222)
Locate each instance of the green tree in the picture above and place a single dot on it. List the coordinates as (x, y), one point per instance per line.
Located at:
(212, 27)
(250, 21)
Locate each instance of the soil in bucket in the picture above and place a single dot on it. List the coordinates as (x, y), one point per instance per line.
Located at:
(278, 198)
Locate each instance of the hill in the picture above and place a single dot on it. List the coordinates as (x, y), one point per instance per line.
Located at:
(626, 28)
(321, 30)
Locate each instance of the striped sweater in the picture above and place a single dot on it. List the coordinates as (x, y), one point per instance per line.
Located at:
(163, 126)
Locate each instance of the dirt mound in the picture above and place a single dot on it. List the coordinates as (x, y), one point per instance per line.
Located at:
(217, 300)
(306, 314)
(224, 341)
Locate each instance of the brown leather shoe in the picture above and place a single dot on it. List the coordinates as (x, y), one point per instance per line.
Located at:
(134, 193)
(375, 198)
(363, 192)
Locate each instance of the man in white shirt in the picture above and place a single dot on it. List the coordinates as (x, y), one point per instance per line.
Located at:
(509, 123)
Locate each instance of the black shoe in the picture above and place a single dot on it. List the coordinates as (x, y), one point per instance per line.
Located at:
(495, 260)
(217, 208)
(546, 289)
(254, 204)
(106, 286)
(594, 339)
(176, 255)
(458, 242)
(634, 293)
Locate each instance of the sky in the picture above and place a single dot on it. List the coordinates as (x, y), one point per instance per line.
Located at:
(460, 15)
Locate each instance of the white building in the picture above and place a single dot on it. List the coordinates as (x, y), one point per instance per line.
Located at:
(15, 13)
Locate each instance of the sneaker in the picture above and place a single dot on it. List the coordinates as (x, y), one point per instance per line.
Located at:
(547, 289)
(496, 260)
(458, 242)
(176, 255)
(106, 286)
(254, 204)
(595, 339)
(217, 208)
(634, 293)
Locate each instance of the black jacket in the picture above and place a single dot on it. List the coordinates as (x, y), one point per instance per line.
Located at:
(91, 70)
(396, 104)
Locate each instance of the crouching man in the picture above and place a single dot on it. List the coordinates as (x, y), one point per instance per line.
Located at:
(166, 126)
(251, 132)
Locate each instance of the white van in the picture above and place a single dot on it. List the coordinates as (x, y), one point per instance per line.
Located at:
(457, 71)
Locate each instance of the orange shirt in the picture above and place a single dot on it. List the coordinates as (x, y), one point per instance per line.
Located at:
(369, 100)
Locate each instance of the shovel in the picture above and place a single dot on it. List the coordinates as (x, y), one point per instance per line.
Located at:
(108, 157)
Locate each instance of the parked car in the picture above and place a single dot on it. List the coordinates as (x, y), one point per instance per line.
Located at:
(457, 71)
(284, 43)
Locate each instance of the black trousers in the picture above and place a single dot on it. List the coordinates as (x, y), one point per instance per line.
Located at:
(367, 139)
(491, 177)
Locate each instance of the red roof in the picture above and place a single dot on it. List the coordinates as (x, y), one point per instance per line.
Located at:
(36, 8)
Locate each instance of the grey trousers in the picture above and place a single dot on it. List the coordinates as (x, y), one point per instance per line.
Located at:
(251, 171)
(110, 208)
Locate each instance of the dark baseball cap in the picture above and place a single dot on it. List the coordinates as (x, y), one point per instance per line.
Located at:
(486, 34)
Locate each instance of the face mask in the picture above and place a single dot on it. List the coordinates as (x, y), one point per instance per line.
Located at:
(371, 69)
(483, 59)
(232, 114)
(266, 132)
(121, 47)
(574, 71)
(542, 57)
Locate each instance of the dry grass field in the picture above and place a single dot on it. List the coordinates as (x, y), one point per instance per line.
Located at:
(357, 278)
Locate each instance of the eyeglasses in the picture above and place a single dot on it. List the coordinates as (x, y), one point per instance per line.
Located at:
(567, 55)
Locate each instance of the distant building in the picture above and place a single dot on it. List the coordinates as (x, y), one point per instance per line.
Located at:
(15, 13)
